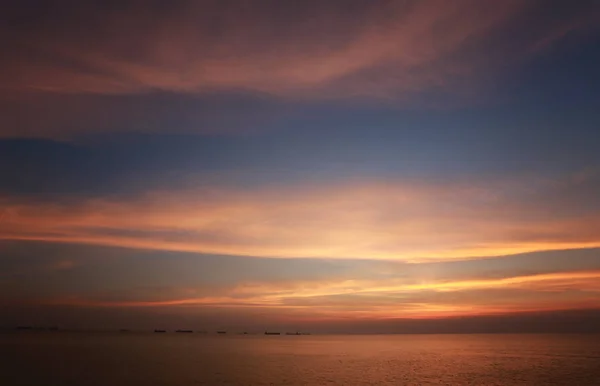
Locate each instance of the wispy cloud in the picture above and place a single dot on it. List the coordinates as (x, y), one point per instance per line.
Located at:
(235, 66)
(383, 299)
(312, 48)
(128, 281)
(406, 221)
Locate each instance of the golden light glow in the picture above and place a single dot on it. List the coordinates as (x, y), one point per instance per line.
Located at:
(413, 222)
(391, 299)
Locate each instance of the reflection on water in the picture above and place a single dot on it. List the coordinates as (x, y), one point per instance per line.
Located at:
(196, 359)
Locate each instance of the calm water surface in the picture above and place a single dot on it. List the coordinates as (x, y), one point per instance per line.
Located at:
(192, 359)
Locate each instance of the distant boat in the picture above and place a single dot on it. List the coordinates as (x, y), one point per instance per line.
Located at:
(184, 331)
(160, 331)
(272, 333)
(221, 332)
(293, 333)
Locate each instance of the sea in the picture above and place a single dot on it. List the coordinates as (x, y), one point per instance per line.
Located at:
(131, 359)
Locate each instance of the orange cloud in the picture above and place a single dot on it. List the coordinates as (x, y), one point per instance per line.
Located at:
(582, 281)
(408, 222)
(391, 298)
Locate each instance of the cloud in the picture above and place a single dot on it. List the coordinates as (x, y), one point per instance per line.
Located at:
(309, 48)
(235, 67)
(343, 299)
(412, 221)
(118, 280)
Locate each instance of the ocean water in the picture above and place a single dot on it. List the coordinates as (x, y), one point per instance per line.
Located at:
(133, 359)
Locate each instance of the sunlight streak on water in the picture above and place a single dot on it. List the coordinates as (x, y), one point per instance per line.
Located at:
(172, 359)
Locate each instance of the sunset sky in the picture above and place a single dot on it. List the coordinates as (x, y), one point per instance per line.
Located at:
(323, 165)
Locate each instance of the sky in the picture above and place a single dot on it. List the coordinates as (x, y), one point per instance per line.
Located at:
(325, 166)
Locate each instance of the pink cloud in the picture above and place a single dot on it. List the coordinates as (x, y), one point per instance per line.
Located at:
(323, 49)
